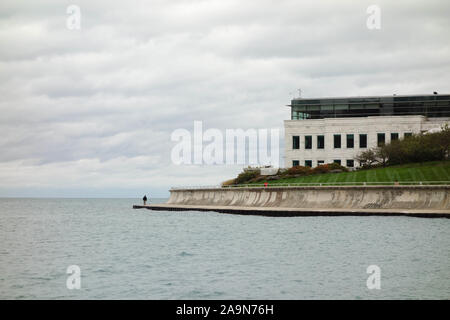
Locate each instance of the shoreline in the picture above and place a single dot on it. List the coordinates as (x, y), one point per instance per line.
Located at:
(414, 200)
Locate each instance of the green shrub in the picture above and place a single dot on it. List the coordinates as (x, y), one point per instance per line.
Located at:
(323, 168)
(336, 166)
(299, 170)
(246, 176)
(417, 148)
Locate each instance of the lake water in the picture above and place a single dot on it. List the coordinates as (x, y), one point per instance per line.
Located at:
(142, 254)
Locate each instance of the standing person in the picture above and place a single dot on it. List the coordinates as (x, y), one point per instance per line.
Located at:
(145, 199)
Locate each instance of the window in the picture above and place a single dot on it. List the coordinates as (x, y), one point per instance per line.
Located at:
(350, 140)
(337, 161)
(350, 163)
(381, 137)
(363, 140)
(337, 140)
(295, 142)
(308, 142)
(408, 134)
(308, 163)
(394, 136)
(320, 162)
(295, 163)
(320, 142)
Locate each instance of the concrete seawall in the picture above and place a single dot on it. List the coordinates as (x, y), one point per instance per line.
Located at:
(342, 197)
(320, 200)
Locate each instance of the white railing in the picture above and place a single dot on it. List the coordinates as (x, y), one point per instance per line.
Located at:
(195, 187)
(316, 184)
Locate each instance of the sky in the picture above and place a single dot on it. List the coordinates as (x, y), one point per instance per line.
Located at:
(89, 111)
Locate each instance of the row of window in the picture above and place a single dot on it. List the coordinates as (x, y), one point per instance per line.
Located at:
(308, 163)
(350, 139)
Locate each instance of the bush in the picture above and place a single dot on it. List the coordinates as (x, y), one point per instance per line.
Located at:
(394, 152)
(336, 166)
(246, 176)
(417, 148)
(299, 171)
(323, 168)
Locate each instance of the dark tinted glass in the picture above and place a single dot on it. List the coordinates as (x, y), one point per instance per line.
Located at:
(350, 141)
(363, 140)
(320, 142)
(308, 142)
(337, 140)
(295, 142)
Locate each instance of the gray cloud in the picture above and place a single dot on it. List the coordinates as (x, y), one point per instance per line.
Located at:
(95, 108)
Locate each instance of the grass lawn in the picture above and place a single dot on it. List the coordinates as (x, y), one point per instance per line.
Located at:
(438, 171)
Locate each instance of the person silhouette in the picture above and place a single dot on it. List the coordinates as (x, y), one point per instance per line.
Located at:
(145, 199)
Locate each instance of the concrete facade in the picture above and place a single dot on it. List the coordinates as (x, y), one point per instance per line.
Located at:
(328, 127)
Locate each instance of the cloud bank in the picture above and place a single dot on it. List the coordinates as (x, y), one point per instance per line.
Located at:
(89, 112)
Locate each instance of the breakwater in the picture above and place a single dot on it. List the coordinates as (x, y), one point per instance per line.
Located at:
(329, 200)
(350, 197)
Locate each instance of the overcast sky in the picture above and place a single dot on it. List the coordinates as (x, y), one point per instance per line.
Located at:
(90, 112)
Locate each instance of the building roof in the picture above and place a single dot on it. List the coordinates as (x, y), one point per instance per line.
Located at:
(374, 97)
(431, 105)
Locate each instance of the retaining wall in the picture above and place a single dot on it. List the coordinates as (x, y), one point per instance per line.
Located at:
(339, 197)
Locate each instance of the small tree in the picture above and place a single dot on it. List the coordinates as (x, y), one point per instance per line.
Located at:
(392, 153)
(443, 140)
(367, 158)
(382, 153)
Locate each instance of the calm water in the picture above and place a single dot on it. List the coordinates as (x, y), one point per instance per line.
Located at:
(142, 254)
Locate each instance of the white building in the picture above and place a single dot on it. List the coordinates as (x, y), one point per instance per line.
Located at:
(329, 130)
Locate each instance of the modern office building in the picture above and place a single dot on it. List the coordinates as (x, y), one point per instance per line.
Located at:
(326, 130)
